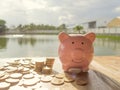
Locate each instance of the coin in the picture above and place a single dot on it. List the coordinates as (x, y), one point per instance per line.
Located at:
(12, 81)
(2, 73)
(60, 75)
(11, 69)
(16, 75)
(4, 85)
(46, 78)
(30, 82)
(46, 70)
(39, 65)
(50, 62)
(81, 81)
(4, 77)
(68, 79)
(56, 81)
(28, 76)
(2, 68)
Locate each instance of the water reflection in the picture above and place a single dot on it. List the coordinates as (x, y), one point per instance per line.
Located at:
(31, 46)
(25, 41)
(3, 42)
(47, 45)
(113, 44)
(32, 40)
(107, 46)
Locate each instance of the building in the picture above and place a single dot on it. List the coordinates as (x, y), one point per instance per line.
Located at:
(102, 25)
(114, 23)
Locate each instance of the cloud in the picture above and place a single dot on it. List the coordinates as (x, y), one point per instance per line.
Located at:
(34, 4)
(56, 12)
(117, 9)
(67, 19)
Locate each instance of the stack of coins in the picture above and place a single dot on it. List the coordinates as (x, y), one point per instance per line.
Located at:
(39, 65)
(46, 70)
(50, 62)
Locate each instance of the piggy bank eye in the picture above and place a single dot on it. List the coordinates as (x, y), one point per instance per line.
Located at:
(73, 42)
(82, 43)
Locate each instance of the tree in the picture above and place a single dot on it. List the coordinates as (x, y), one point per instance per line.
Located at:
(78, 28)
(20, 27)
(62, 27)
(2, 25)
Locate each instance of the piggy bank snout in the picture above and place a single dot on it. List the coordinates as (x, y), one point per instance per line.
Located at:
(77, 54)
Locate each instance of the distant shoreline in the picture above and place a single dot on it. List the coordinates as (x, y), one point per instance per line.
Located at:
(99, 35)
(29, 33)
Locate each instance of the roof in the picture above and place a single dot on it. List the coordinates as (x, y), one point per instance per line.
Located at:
(114, 22)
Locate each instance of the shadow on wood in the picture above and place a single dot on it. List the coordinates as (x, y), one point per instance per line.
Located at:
(96, 81)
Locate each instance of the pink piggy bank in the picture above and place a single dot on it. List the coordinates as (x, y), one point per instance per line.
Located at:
(76, 52)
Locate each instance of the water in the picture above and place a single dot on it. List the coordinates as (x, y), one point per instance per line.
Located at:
(105, 47)
(47, 45)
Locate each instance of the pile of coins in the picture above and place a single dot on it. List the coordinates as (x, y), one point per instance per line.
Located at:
(44, 67)
(49, 62)
(24, 74)
(12, 72)
(39, 65)
(46, 70)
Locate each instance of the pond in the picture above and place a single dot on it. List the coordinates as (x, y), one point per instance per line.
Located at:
(46, 45)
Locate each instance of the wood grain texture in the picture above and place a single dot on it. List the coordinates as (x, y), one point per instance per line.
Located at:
(108, 65)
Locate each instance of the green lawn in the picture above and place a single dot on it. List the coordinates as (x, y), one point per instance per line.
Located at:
(110, 37)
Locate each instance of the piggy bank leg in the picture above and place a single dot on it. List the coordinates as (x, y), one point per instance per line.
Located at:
(65, 68)
(85, 69)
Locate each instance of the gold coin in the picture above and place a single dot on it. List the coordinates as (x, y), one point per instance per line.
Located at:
(60, 75)
(30, 82)
(2, 73)
(46, 78)
(28, 76)
(68, 79)
(81, 82)
(56, 81)
(4, 77)
(4, 85)
(16, 75)
(12, 81)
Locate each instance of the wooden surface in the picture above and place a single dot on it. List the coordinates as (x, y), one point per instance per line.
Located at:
(108, 65)
(104, 74)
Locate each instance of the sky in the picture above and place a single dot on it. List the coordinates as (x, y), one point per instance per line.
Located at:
(56, 12)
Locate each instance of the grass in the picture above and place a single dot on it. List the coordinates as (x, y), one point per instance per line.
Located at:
(110, 37)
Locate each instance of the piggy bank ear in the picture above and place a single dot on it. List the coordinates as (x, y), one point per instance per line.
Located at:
(91, 36)
(63, 36)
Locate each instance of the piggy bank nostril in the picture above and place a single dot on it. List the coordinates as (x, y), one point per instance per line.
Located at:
(73, 42)
(82, 43)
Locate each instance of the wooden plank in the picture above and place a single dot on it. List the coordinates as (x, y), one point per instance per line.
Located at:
(108, 65)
